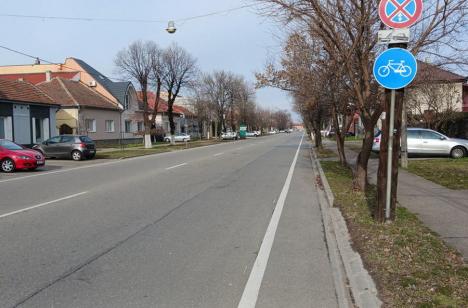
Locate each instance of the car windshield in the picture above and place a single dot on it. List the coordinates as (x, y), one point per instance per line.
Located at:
(10, 145)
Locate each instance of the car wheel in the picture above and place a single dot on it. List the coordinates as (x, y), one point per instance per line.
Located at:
(457, 152)
(76, 155)
(8, 165)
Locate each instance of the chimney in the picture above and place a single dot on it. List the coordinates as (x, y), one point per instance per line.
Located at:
(48, 75)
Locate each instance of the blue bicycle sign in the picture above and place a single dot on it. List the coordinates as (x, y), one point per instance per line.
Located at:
(395, 68)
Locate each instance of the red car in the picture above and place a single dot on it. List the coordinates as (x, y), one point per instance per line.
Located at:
(14, 156)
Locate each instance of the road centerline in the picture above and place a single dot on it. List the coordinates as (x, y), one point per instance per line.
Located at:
(176, 166)
(42, 204)
(218, 154)
(252, 287)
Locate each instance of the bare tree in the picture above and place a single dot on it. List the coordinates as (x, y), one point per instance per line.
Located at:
(136, 63)
(179, 70)
(217, 88)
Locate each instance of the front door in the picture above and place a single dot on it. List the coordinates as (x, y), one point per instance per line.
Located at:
(51, 146)
(65, 130)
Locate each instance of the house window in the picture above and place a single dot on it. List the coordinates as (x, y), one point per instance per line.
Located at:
(40, 129)
(90, 125)
(126, 101)
(140, 126)
(110, 126)
(2, 127)
(128, 126)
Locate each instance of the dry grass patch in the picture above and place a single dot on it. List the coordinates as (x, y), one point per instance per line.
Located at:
(412, 266)
(451, 173)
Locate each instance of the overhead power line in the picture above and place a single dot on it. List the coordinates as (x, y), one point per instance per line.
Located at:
(122, 20)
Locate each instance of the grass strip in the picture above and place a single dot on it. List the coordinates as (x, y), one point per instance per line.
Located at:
(451, 173)
(128, 153)
(411, 265)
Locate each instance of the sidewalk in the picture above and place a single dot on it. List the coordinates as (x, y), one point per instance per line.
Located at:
(443, 210)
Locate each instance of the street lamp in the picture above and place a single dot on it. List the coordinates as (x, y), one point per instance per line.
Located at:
(171, 27)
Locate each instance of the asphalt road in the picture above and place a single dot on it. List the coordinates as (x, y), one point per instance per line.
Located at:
(180, 229)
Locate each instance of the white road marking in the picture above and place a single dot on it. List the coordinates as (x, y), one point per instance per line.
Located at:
(176, 166)
(217, 154)
(60, 171)
(252, 288)
(42, 204)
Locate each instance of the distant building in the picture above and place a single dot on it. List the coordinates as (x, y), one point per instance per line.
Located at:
(184, 120)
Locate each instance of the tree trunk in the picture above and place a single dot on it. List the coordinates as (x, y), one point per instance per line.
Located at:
(339, 137)
(379, 213)
(404, 137)
(170, 115)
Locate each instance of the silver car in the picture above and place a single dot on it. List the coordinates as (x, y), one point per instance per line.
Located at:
(423, 141)
(182, 137)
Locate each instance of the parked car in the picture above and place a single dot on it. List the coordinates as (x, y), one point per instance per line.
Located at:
(229, 136)
(252, 134)
(14, 156)
(178, 138)
(68, 146)
(428, 142)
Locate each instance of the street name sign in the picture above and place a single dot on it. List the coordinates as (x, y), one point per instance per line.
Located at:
(395, 68)
(393, 36)
(399, 14)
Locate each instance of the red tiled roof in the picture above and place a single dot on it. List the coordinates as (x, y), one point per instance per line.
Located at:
(22, 91)
(162, 107)
(72, 93)
(36, 78)
(431, 73)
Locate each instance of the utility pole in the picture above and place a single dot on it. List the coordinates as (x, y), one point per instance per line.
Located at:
(394, 69)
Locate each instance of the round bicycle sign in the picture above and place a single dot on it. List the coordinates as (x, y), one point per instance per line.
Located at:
(395, 68)
(400, 13)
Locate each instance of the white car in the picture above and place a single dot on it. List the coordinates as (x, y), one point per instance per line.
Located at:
(178, 138)
(229, 136)
(252, 134)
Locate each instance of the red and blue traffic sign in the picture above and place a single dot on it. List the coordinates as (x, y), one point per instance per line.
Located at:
(399, 14)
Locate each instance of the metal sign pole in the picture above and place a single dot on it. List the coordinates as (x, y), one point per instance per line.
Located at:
(390, 155)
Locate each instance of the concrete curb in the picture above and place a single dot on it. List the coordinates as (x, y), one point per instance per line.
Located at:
(361, 287)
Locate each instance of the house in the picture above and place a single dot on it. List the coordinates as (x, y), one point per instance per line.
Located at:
(120, 93)
(83, 110)
(185, 121)
(27, 114)
(435, 88)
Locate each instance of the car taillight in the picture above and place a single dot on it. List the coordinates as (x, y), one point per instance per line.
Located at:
(81, 145)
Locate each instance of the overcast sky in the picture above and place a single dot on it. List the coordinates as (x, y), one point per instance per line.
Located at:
(239, 41)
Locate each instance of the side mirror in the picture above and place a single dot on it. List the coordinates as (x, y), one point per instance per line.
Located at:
(442, 138)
